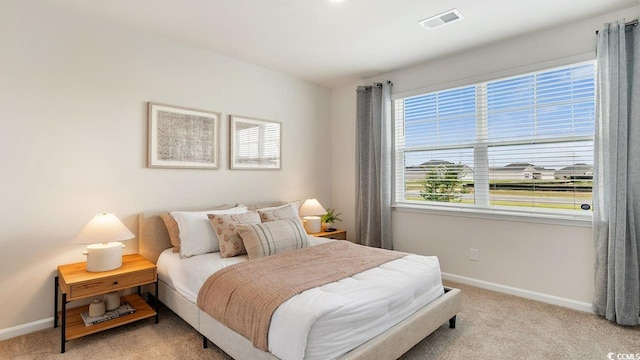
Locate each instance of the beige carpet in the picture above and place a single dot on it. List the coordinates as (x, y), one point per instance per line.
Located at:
(490, 326)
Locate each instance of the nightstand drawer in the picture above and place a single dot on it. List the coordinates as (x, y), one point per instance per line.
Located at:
(112, 283)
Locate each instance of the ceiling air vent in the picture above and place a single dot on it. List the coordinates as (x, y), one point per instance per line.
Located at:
(441, 19)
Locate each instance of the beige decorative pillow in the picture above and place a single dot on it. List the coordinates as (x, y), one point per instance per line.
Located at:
(288, 211)
(172, 229)
(274, 237)
(256, 207)
(225, 227)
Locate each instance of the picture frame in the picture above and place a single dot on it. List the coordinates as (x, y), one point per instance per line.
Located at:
(254, 144)
(183, 138)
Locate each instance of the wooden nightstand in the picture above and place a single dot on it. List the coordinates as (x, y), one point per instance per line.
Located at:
(74, 282)
(337, 234)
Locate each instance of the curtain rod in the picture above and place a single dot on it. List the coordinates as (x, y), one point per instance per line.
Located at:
(630, 23)
(376, 84)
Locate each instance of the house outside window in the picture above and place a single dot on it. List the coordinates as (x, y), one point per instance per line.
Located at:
(521, 144)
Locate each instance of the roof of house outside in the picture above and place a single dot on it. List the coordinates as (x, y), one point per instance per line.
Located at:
(519, 167)
(577, 167)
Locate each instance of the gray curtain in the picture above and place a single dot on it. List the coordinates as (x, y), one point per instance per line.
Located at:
(616, 196)
(373, 166)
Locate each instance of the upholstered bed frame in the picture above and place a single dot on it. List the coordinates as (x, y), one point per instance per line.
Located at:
(154, 238)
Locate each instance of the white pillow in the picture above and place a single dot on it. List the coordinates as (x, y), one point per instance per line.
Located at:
(196, 234)
(294, 204)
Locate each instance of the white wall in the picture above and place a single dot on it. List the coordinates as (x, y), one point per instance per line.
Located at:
(73, 138)
(555, 260)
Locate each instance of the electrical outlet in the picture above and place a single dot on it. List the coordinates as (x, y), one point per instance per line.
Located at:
(474, 254)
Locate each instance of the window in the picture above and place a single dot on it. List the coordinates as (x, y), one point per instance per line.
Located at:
(520, 143)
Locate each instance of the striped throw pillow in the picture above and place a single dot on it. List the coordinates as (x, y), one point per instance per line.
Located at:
(272, 237)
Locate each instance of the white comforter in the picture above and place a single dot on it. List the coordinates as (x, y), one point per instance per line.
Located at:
(328, 321)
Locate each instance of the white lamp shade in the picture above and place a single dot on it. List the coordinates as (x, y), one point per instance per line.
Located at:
(103, 228)
(104, 233)
(312, 207)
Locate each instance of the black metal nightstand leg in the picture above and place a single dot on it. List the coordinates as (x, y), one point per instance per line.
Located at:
(63, 332)
(157, 304)
(55, 302)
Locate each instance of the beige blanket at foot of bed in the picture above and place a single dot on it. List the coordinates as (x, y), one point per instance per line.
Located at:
(245, 295)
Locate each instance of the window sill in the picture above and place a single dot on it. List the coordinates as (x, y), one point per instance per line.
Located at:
(500, 215)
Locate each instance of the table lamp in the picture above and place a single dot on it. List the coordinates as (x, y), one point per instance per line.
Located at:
(309, 211)
(104, 233)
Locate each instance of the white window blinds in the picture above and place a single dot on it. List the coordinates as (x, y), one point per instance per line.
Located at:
(258, 143)
(521, 142)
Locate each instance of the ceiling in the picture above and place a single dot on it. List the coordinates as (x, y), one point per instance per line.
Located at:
(334, 42)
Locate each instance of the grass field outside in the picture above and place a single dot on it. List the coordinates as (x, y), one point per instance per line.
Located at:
(536, 197)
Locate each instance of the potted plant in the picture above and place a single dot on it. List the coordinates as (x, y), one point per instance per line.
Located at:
(329, 218)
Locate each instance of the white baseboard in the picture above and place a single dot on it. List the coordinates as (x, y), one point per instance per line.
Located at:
(549, 299)
(26, 328)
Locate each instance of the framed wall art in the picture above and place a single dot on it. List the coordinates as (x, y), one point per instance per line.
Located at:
(183, 138)
(254, 143)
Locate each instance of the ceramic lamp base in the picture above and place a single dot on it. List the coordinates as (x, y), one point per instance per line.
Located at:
(312, 224)
(104, 256)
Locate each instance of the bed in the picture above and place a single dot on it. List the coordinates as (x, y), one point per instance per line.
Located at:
(180, 297)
